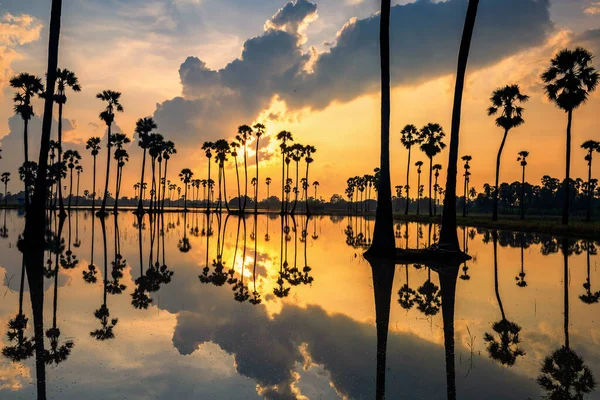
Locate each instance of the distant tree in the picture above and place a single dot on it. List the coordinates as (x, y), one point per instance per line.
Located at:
(5, 179)
(522, 159)
(467, 159)
(71, 158)
(93, 144)
(437, 168)
(418, 164)
(143, 128)
(590, 146)
(409, 138)
(431, 136)
(186, 176)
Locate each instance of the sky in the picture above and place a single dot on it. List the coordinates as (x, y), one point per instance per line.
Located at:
(203, 67)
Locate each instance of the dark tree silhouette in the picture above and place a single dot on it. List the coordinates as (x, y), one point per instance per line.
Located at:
(505, 101)
(208, 147)
(589, 297)
(418, 164)
(244, 134)
(569, 81)
(143, 128)
(259, 130)
(406, 295)
(467, 159)
(591, 146)
(186, 176)
(437, 168)
(428, 297)
(430, 137)
(522, 159)
(5, 179)
(71, 158)
(93, 144)
(409, 138)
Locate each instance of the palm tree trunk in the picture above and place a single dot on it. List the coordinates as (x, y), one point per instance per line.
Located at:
(307, 209)
(282, 181)
(257, 185)
(407, 184)
(237, 177)
(435, 187)
(465, 195)
(448, 235)
(140, 202)
(245, 179)
(588, 216)
(94, 186)
(103, 206)
(185, 196)
(565, 251)
(77, 195)
(566, 183)
(523, 194)
(60, 147)
(225, 189)
(26, 144)
(157, 206)
(418, 192)
(496, 285)
(70, 188)
(153, 190)
(208, 183)
(430, 183)
(497, 189)
(297, 190)
(164, 186)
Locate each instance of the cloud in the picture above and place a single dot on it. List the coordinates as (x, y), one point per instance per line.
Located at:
(593, 8)
(424, 39)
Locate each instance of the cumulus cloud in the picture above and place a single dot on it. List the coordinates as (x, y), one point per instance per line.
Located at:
(425, 37)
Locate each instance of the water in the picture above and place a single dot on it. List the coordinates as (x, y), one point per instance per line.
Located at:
(272, 328)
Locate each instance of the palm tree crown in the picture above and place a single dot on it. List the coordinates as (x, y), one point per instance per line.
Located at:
(507, 101)
(27, 86)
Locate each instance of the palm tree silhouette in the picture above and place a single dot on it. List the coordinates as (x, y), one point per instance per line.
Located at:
(522, 159)
(506, 350)
(27, 86)
(64, 79)
(418, 164)
(222, 149)
(428, 297)
(79, 170)
(409, 138)
(244, 134)
(234, 145)
(296, 152)
(268, 182)
(448, 234)
(143, 128)
(564, 374)
(208, 147)
(93, 144)
(430, 137)
(506, 101)
(71, 157)
(118, 141)
(284, 137)
(113, 105)
(591, 146)
(437, 168)
(186, 176)
(520, 279)
(155, 150)
(406, 295)
(309, 150)
(589, 297)
(5, 179)
(168, 150)
(467, 159)
(259, 130)
(569, 81)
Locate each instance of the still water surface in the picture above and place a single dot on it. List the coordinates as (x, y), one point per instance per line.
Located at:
(286, 309)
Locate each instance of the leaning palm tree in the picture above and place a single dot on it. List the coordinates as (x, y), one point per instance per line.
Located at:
(208, 147)
(591, 146)
(283, 137)
(569, 81)
(28, 86)
(506, 101)
(185, 175)
(522, 159)
(418, 164)
(448, 235)
(409, 138)
(431, 136)
(244, 134)
(259, 130)
(93, 144)
(437, 168)
(64, 79)
(71, 157)
(113, 105)
(143, 128)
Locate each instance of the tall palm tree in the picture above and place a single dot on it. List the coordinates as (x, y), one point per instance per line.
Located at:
(234, 145)
(591, 146)
(383, 234)
(316, 185)
(283, 137)
(467, 159)
(431, 136)
(569, 81)
(79, 170)
(418, 164)
(168, 150)
(27, 86)
(208, 147)
(409, 138)
(71, 157)
(448, 234)
(222, 149)
(64, 79)
(259, 130)
(143, 128)
(244, 134)
(155, 150)
(522, 159)
(268, 182)
(309, 150)
(93, 144)
(296, 154)
(186, 177)
(506, 101)
(437, 168)
(113, 105)
(118, 141)
(5, 179)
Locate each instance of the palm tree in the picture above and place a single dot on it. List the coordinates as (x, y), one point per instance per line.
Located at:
(244, 134)
(591, 146)
(186, 176)
(590, 297)
(27, 86)
(448, 234)
(418, 164)
(283, 137)
(316, 185)
(64, 79)
(93, 144)
(268, 182)
(113, 105)
(259, 130)
(309, 150)
(437, 168)
(143, 128)
(409, 138)
(296, 154)
(430, 137)
(222, 149)
(79, 170)
(208, 147)
(522, 159)
(467, 159)
(155, 150)
(569, 81)
(71, 157)
(119, 140)
(168, 150)
(5, 179)
(507, 101)
(234, 145)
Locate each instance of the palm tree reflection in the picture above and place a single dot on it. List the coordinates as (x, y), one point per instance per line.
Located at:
(589, 297)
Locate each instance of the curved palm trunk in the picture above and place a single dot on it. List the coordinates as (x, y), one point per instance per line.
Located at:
(495, 212)
(588, 215)
(140, 202)
(306, 191)
(158, 191)
(407, 184)
(523, 194)
(567, 186)
(108, 148)
(448, 235)
(496, 286)
(60, 195)
(430, 183)
(237, 177)
(383, 235)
